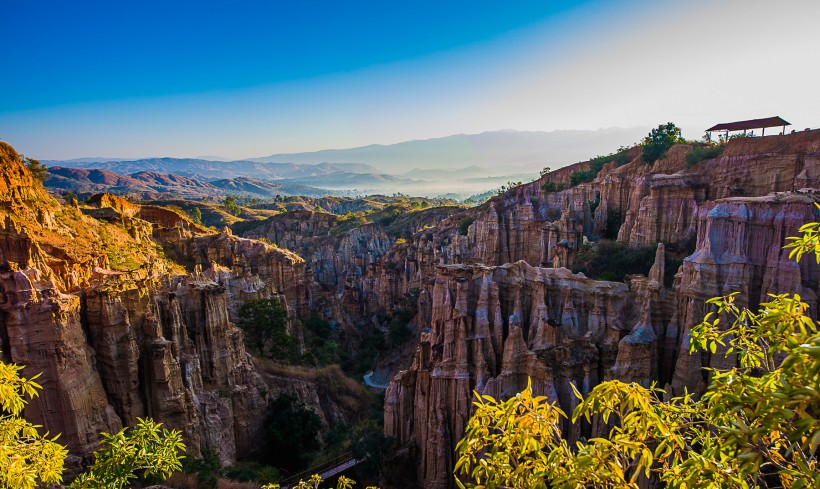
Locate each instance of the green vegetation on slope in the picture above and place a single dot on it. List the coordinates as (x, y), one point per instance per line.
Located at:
(659, 140)
(621, 157)
(29, 460)
(613, 261)
(704, 152)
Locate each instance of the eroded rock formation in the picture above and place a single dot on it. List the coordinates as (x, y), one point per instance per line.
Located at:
(128, 310)
(494, 321)
(119, 331)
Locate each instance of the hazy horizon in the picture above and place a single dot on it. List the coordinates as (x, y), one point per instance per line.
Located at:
(583, 154)
(262, 78)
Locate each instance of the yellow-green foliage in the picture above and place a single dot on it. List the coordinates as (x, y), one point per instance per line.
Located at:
(315, 482)
(809, 242)
(754, 419)
(28, 460)
(145, 447)
(504, 441)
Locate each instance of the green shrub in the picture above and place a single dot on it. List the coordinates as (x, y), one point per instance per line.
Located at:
(321, 348)
(583, 176)
(37, 169)
(206, 469)
(292, 433)
(231, 207)
(357, 363)
(611, 260)
(196, 215)
(265, 324)
(553, 187)
(464, 225)
(701, 153)
(659, 140)
(597, 164)
(593, 204)
(614, 219)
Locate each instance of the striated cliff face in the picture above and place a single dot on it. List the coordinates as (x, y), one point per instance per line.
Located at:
(740, 249)
(91, 299)
(341, 251)
(494, 320)
(492, 328)
(637, 204)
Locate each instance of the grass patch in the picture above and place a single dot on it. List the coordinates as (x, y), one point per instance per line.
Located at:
(596, 165)
(700, 153)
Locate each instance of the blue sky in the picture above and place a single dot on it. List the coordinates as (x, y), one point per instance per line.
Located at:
(249, 78)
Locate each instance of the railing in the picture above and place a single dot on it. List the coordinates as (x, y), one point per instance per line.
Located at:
(325, 470)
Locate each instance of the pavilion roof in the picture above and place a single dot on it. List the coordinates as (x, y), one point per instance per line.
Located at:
(750, 124)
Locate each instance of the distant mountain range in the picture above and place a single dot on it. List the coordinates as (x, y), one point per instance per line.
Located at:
(461, 164)
(523, 150)
(214, 170)
(153, 185)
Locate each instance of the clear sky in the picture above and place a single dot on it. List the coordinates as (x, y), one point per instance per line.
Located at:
(249, 78)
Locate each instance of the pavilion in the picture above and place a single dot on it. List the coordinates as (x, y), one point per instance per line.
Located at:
(750, 125)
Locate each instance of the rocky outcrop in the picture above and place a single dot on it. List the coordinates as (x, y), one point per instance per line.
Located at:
(341, 250)
(663, 205)
(128, 310)
(41, 328)
(122, 350)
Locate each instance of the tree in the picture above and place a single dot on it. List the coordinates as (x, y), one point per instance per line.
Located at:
(37, 169)
(196, 215)
(265, 324)
(755, 425)
(315, 482)
(370, 446)
(659, 140)
(292, 433)
(70, 197)
(28, 459)
(231, 206)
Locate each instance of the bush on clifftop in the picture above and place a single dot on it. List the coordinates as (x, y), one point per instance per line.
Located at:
(659, 140)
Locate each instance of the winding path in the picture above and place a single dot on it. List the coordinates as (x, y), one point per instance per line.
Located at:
(371, 378)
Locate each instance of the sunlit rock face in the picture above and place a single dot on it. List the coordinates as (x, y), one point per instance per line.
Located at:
(118, 331)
